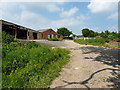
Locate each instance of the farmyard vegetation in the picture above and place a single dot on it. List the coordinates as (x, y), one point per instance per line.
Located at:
(30, 65)
(100, 39)
(98, 42)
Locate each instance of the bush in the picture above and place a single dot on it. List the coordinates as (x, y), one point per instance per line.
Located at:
(31, 44)
(31, 65)
(6, 48)
(7, 38)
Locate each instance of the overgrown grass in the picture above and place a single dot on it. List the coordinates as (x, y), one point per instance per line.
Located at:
(100, 42)
(96, 42)
(31, 65)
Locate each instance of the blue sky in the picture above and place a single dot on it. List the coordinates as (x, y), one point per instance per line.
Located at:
(98, 16)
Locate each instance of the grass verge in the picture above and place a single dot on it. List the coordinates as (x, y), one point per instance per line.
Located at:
(96, 42)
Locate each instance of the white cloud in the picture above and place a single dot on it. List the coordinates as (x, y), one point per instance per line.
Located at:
(114, 16)
(53, 7)
(32, 20)
(66, 22)
(30, 15)
(98, 6)
(35, 6)
(69, 13)
(27, 16)
(20, 14)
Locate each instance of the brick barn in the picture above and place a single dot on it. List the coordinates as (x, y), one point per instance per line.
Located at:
(49, 33)
(20, 32)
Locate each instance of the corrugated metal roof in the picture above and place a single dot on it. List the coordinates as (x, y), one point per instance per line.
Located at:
(21, 27)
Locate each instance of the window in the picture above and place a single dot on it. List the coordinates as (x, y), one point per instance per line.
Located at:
(52, 36)
(48, 35)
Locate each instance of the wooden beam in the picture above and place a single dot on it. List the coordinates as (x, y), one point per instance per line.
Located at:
(15, 34)
(27, 35)
(15, 28)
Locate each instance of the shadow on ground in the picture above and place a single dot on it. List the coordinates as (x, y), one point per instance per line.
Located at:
(107, 56)
(85, 82)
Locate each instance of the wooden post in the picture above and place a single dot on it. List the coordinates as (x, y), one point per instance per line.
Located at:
(27, 35)
(15, 33)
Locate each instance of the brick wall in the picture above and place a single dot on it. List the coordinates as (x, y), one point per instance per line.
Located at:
(49, 32)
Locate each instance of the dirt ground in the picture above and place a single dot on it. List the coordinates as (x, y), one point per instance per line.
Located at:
(89, 66)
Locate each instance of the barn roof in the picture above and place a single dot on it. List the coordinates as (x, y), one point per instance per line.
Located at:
(19, 26)
(43, 30)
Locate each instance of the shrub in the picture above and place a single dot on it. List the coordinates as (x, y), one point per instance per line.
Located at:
(7, 38)
(32, 65)
(31, 44)
(6, 48)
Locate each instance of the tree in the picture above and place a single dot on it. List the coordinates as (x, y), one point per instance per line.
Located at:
(73, 35)
(64, 31)
(85, 32)
(89, 33)
(107, 32)
(118, 35)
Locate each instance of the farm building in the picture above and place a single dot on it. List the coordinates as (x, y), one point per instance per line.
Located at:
(20, 32)
(49, 33)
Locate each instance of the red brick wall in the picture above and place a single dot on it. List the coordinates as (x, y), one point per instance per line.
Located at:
(46, 33)
(61, 37)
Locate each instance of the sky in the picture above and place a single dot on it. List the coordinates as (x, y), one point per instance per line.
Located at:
(94, 14)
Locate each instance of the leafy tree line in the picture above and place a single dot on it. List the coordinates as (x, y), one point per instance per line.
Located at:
(106, 34)
(64, 31)
(88, 33)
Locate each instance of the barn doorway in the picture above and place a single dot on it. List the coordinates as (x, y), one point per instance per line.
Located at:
(35, 35)
(49, 36)
(22, 34)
